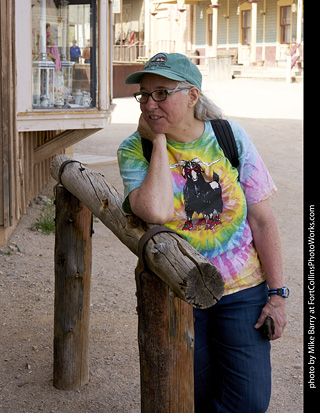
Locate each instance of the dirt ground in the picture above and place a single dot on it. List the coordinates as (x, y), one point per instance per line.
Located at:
(271, 113)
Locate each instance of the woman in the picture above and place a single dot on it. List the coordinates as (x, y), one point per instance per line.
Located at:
(52, 48)
(234, 228)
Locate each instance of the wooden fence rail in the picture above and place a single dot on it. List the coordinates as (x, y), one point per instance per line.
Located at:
(177, 278)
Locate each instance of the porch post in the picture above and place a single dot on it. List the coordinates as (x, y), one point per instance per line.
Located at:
(147, 38)
(228, 25)
(299, 22)
(214, 31)
(264, 31)
(253, 54)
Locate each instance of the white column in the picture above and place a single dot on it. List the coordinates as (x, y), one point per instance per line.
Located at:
(299, 21)
(228, 25)
(214, 31)
(147, 39)
(264, 31)
(152, 46)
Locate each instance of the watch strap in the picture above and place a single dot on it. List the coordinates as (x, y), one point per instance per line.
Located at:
(283, 292)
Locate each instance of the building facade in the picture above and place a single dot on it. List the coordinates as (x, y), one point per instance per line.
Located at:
(252, 32)
(56, 89)
(61, 61)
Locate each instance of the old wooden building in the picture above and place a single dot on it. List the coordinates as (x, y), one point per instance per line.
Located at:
(63, 60)
(56, 89)
(253, 32)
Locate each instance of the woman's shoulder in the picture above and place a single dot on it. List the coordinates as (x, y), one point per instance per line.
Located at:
(238, 130)
(242, 137)
(131, 141)
(131, 148)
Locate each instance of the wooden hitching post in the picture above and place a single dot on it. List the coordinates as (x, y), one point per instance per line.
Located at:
(72, 291)
(166, 346)
(178, 279)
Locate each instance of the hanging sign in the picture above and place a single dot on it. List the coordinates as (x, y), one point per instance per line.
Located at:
(116, 6)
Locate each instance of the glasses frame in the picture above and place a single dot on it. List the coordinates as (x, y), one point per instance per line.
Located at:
(167, 92)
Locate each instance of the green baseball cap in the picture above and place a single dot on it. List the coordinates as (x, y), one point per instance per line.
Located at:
(173, 66)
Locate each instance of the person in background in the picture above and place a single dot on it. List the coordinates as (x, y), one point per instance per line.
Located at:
(52, 49)
(232, 224)
(75, 52)
(86, 53)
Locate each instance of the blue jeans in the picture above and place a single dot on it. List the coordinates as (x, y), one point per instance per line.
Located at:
(232, 370)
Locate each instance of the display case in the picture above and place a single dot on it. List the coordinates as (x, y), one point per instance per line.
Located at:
(43, 84)
(63, 52)
(60, 83)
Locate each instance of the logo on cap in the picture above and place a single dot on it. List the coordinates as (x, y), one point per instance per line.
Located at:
(159, 58)
(158, 62)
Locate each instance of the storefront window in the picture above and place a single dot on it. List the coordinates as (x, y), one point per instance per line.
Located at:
(64, 66)
(285, 24)
(246, 26)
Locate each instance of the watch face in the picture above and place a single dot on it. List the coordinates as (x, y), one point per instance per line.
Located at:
(285, 292)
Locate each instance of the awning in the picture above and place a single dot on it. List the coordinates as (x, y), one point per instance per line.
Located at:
(179, 2)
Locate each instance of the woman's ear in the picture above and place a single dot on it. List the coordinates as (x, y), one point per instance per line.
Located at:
(194, 94)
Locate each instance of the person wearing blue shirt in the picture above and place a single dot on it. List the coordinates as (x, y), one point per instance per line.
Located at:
(75, 52)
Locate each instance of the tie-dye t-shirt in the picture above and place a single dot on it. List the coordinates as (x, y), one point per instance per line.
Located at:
(210, 199)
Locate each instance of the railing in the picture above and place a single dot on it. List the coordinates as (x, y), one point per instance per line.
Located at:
(130, 52)
(167, 46)
(292, 59)
(141, 51)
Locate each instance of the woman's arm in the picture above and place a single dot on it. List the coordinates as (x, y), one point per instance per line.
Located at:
(268, 245)
(153, 201)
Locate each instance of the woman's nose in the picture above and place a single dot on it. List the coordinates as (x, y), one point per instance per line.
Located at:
(150, 104)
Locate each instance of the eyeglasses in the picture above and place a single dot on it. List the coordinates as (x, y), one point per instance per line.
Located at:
(157, 95)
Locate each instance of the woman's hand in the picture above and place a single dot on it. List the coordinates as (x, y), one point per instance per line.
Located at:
(144, 129)
(153, 201)
(276, 309)
(267, 242)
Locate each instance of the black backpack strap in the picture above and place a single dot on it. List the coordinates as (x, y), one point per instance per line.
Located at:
(226, 140)
(146, 148)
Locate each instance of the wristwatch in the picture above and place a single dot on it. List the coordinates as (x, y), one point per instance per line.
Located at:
(283, 292)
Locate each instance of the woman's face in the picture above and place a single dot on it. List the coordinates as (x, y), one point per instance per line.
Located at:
(168, 116)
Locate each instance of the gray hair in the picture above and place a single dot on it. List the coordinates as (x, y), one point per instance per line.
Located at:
(204, 109)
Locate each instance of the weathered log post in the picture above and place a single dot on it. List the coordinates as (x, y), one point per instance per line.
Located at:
(166, 341)
(72, 291)
(166, 344)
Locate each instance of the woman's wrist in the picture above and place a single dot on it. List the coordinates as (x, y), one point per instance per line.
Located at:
(159, 140)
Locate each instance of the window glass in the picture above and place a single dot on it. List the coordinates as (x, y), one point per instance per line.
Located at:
(246, 26)
(63, 54)
(285, 22)
(209, 26)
